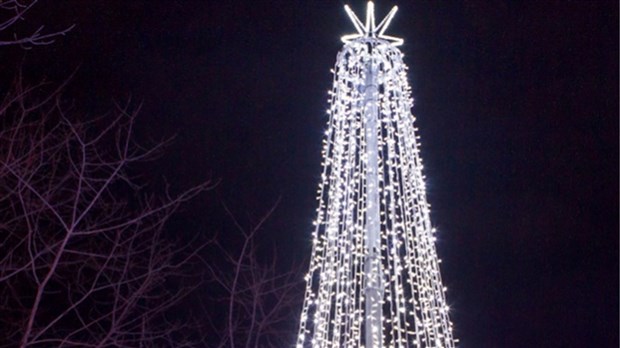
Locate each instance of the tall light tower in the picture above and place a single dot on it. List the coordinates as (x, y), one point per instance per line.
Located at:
(374, 276)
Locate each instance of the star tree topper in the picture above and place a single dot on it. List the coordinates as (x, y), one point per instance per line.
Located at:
(370, 29)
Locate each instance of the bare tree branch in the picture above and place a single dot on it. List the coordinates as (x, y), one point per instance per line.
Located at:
(260, 298)
(13, 11)
(83, 260)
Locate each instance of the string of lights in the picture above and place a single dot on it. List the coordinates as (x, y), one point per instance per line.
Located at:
(374, 278)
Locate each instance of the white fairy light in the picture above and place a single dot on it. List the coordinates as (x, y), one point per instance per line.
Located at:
(374, 277)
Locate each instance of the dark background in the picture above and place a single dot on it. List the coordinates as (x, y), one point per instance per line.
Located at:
(517, 105)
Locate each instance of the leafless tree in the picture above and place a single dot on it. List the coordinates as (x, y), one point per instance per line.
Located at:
(262, 301)
(83, 262)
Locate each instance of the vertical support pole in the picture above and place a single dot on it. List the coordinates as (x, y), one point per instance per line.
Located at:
(372, 266)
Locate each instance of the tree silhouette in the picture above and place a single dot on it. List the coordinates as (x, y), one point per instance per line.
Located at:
(82, 258)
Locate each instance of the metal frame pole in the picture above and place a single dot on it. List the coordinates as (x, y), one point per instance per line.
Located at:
(372, 268)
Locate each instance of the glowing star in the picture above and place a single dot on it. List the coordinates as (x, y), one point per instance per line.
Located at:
(374, 279)
(369, 29)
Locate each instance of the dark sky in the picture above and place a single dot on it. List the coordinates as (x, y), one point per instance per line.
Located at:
(517, 105)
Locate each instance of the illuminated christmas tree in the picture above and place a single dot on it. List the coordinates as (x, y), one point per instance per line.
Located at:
(374, 277)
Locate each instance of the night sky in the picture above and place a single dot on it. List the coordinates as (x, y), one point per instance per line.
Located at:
(516, 102)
